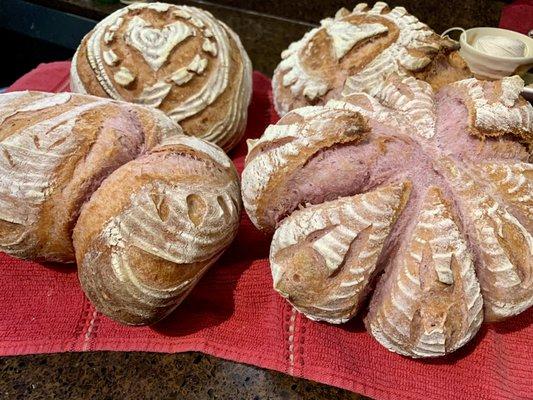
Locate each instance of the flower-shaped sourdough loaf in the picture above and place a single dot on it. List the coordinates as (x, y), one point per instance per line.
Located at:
(179, 59)
(357, 50)
(434, 189)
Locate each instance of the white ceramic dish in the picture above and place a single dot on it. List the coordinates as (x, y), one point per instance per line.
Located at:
(490, 65)
(493, 66)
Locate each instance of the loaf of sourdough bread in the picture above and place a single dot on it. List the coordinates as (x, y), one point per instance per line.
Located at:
(427, 194)
(153, 228)
(358, 49)
(56, 150)
(179, 59)
(117, 187)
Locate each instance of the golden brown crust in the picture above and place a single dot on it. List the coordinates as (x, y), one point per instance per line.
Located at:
(324, 257)
(324, 129)
(445, 69)
(179, 59)
(85, 72)
(56, 149)
(356, 51)
(152, 229)
(502, 244)
(100, 153)
(496, 109)
(429, 303)
(115, 192)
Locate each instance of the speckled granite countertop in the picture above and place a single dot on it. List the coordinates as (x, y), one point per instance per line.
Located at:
(125, 376)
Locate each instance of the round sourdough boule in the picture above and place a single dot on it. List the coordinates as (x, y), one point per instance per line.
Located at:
(179, 59)
(356, 50)
(153, 228)
(55, 149)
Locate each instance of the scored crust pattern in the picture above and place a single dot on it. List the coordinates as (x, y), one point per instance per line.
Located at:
(354, 52)
(177, 58)
(431, 188)
(178, 226)
(143, 209)
(40, 135)
(38, 151)
(332, 230)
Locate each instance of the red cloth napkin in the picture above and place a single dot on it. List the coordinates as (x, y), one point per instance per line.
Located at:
(518, 16)
(235, 314)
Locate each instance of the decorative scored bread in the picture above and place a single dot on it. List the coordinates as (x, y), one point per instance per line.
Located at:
(514, 184)
(143, 209)
(179, 59)
(55, 151)
(348, 235)
(284, 147)
(175, 211)
(355, 51)
(504, 246)
(431, 303)
(431, 188)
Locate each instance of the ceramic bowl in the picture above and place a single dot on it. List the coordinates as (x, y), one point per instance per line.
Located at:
(490, 65)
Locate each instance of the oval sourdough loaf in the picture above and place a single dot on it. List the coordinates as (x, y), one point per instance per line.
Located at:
(432, 189)
(179, 59)
(355, 50)
(142, 208)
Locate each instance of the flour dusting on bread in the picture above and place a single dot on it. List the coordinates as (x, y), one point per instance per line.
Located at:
(458, 250)
(354, 52)
(179, 59)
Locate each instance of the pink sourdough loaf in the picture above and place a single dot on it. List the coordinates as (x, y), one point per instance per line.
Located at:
(434, 189)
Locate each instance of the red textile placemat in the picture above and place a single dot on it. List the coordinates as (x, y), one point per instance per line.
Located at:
(235, 314)
(518, 16)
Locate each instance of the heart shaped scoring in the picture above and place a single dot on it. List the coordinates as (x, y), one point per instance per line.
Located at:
(177, 58)
(155, 44)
